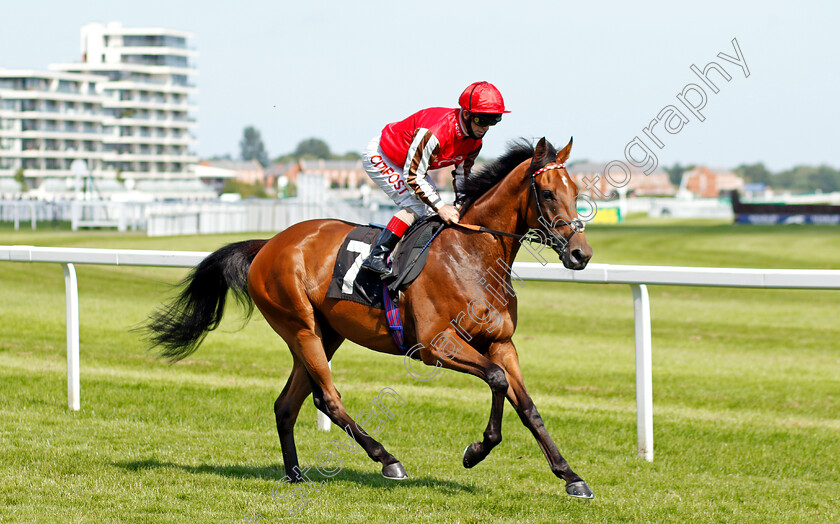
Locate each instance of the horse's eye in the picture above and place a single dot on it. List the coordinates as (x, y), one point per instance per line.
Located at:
(548, 195)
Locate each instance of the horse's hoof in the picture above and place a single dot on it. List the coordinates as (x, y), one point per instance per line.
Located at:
(580, 490)
(394, 471)
(471, 457)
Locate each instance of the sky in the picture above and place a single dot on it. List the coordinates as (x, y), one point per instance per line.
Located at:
(598, 71)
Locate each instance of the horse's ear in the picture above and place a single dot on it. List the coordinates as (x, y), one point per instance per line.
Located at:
(563, 155)
(539, 152)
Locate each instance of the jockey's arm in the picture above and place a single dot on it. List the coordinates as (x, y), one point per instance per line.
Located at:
(421, 153)
(462, 172)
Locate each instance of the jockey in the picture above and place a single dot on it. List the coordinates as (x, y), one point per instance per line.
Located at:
(398, 160)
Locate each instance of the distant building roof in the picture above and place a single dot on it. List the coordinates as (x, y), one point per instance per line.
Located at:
(308, 166)
(279, 168)
(233, 165)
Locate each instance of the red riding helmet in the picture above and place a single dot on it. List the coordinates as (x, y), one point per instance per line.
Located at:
(482, 97)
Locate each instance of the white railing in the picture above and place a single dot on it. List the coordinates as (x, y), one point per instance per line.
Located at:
(187, 218)
(638, 277)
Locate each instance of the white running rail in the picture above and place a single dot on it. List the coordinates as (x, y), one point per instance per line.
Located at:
(638, 277)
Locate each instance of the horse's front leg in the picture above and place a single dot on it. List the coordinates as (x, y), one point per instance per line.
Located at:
(478, 451)
(452, 352)
(504, 355)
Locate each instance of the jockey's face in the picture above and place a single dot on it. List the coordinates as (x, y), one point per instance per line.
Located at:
(478, 131)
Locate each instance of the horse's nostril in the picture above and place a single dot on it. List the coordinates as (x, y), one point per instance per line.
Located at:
(578, 256)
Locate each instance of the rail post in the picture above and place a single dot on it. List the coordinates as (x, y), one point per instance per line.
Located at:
(644, 377)
(71, 293)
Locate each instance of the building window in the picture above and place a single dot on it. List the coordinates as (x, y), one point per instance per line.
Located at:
(65, 86)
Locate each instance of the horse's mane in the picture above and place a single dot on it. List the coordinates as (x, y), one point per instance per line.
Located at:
(480, 181)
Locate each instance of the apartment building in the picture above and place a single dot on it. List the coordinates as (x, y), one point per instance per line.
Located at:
(146, 89)
(48, 120)
(125, 108)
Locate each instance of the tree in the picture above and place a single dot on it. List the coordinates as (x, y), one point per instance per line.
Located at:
(350, 155)
(251, 146)
(313, 147)
(756, 173)
(676, 171)
(20, 179)
(246, 190)
(798, 178)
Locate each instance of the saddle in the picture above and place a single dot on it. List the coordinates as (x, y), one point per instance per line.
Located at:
(350, 282)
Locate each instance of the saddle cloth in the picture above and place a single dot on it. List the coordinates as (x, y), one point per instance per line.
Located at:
(351, 282)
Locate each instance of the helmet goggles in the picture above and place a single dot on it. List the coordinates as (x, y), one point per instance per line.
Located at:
(486, 119)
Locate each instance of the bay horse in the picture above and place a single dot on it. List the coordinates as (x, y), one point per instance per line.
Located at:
(287, 278)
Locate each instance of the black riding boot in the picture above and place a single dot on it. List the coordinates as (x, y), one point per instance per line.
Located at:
(377, 261)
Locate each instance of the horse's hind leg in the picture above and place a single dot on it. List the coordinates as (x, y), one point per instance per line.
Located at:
(328, 401)
(286, 409)
(287, 406)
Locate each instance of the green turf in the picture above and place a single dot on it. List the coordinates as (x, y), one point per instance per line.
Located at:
(746, 400)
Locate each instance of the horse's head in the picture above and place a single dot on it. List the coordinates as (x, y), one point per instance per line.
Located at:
(554, 208)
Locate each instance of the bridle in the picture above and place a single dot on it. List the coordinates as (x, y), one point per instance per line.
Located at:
(576, 225)
(555, 241)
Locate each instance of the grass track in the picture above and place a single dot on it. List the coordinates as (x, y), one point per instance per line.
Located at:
(746, 400)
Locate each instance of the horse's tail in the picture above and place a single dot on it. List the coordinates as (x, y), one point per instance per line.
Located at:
(180, 326)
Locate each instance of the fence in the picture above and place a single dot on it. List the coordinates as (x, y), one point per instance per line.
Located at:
(32, 211)
(637, 277)
(187, 218)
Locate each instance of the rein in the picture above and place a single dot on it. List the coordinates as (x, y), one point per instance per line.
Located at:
(482, 229)
(576, 225)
